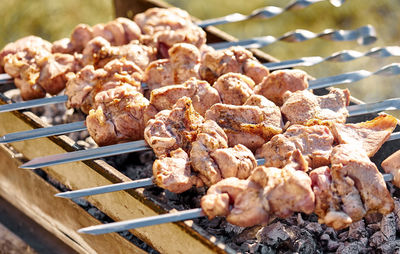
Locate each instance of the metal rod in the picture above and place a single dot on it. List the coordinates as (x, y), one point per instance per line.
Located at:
(33, 103)
(143, 222)
(354, 110)
(364, 35)
(6, 79)
(265, 13)
(341, 56)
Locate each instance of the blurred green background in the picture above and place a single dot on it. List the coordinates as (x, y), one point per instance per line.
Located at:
(53, 20)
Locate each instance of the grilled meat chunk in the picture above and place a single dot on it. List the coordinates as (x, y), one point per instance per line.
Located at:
(173, 129)
(369, 135)
(352, 188)
(173, 173)
(234, 88)
(25, 44)
(182, 65)
(163, 28)
(251, 124)
(118, 32)
(391, 165)
(38, 72)
(314, 142)
(202, 94)
(83, 86)
(235, 59)
(303, 106)
(119, 115)
(279, 84)
(268, 191)
(98, 52)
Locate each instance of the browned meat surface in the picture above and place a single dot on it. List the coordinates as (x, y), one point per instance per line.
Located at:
(234, 88)
(173, 129)
(163, 28)
(235, 59)
(391, 165)
(237, 161)
(173, 173)
(182, 65)
(210, 137)
(352, 188)
(250, 125)
(202, 94)
(99, 52)
(83, 86)
(25, 44)
(38, 72)
(119, 115)
(117, 32)
(279, 84)
(268, 191)
(62, 46)
(314, 142)
(369, 135)
(303, 106)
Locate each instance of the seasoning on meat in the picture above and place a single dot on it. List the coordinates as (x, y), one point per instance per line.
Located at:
(234, 88)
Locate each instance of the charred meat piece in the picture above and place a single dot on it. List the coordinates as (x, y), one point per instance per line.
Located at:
(303, 106)
(182, 65)
(38, 72)
(202, 94)
(173, 129)
(268, 191)
(83, 86)
(251, 124)
(118, 32)
(234, 88)
(235, 59)
(25, 44)
(369, 135)
(119, 115)
(314, 142)
(279, 84)
(391, 165)
(163, 28)
(352, 188)
(98, 52)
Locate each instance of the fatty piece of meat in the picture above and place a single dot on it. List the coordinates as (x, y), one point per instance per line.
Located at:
(98, 52)
(279, 84)
(348, 161)
(327, 201)
(83, 86)
(391, 165)
(173, 129)
(303, 106)
(235, 59)
(234, 88)
(249, 125)
(210, 137)
(237, 161)
(369, 135)
(173, 173)
(245, 197)
(314, 142)
(163, 28)
(119, 115)
(202, 94)
(182, 65)
(24, 44)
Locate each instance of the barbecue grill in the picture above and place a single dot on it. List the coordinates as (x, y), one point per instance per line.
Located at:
(35, 197)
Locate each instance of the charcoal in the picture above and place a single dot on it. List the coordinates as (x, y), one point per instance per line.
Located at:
(357, 230)
(388, 227)
(96, 213)
(351, 248)
(390, 247)
(397, 213)
(267, 250)
(314, 228)
(247, 233)
(377, 239)
(373, 218)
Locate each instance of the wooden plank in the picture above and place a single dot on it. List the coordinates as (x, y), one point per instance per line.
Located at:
(35, 198)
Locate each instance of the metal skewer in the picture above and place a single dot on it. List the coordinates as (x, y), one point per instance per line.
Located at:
(154, 220)
(391, 104)
(266, 12)
(136, 146)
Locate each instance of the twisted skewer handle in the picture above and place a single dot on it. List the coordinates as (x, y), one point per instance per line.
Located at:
(364, 35)
(265, 13)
